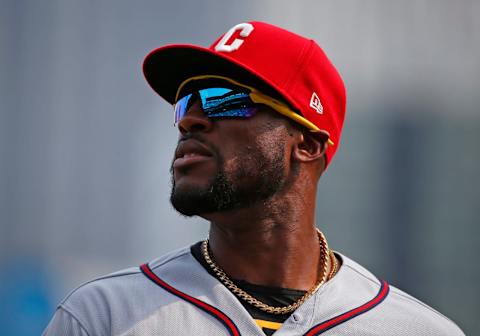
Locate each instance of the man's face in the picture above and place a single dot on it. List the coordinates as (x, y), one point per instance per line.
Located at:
(228, 163)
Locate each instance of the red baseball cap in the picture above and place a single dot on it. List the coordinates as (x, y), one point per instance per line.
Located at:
(272, 60)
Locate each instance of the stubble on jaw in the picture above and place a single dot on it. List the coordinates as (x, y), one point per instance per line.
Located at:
(256, 176)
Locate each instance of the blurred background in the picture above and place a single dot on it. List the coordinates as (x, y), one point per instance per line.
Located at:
(86, 145)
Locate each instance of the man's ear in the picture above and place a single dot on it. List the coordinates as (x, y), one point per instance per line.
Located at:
(310, 146)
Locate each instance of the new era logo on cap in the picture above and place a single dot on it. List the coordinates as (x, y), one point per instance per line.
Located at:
(316, 104)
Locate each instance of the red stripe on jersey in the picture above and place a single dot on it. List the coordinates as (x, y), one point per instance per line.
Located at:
(329, 324)
(224, 319)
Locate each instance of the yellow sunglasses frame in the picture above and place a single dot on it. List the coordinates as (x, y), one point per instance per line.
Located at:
(260, 98)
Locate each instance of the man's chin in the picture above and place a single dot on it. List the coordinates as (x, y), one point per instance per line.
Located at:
(188, 205)
(191, 199)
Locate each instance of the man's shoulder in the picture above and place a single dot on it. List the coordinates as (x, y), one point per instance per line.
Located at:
(420, 314)
(123, 279)
(98, 303)
(400, 311)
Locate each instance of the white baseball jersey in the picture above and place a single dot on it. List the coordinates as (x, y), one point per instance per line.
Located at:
(175, 295)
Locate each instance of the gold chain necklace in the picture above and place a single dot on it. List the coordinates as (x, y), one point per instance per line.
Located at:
(334, 269)
(222, 276)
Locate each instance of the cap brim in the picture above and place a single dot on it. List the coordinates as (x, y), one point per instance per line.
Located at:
(166, 68)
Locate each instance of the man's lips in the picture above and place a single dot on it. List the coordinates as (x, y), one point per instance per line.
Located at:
(189, 160)
(189, 152)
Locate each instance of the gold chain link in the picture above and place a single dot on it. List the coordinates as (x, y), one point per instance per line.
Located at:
(334, 269)
(325, 253)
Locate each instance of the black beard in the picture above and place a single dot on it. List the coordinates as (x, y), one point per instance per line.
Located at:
(219, 196)
(224, 194)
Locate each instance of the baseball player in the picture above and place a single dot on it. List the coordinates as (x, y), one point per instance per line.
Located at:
(259, 116)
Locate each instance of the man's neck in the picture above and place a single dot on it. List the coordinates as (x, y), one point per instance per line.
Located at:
(268, 244)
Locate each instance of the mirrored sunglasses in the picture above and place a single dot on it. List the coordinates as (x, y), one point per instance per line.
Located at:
(227, 102)
(218, 102)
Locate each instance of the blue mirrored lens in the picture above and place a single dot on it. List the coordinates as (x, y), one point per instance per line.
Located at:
(181, 107)
(219, 102)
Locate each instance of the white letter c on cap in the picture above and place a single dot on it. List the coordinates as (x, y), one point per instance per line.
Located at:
(246, 29)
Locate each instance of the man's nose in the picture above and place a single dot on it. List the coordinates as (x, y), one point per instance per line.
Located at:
(192, 123)
(194, 120)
